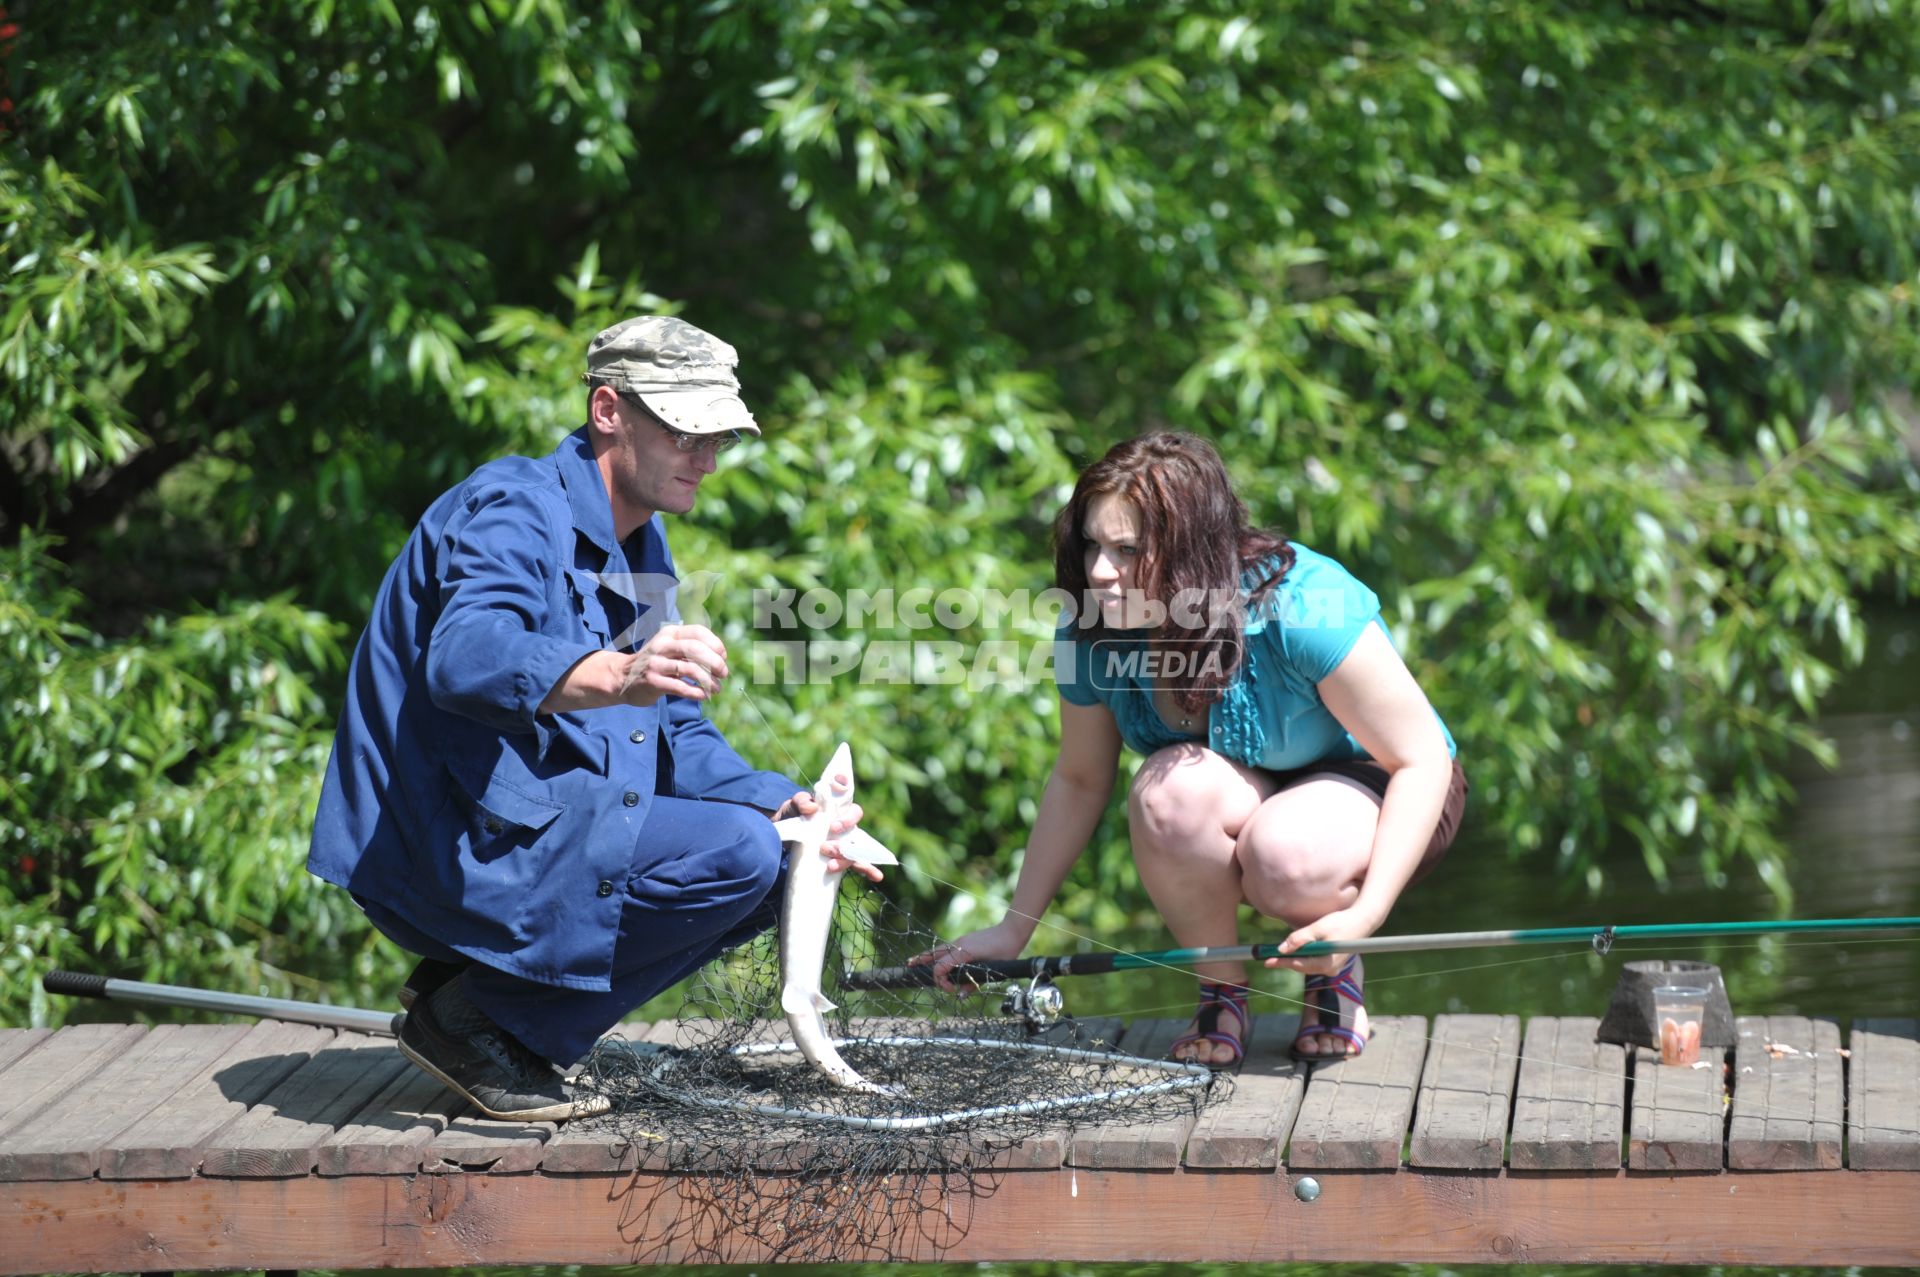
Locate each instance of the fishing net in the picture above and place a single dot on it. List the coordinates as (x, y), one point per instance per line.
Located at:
(768, 1158)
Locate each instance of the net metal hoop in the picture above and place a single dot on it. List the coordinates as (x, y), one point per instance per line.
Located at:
(1185, 1076)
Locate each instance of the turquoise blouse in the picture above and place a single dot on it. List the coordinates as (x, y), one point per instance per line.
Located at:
(1272, 716)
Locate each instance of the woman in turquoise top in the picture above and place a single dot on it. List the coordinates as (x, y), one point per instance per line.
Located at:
(1292, 762)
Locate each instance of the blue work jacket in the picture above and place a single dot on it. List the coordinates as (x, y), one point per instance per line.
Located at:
(507, 834)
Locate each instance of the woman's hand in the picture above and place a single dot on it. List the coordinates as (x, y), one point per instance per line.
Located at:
(1341, 924)
(1005, 940)
(803, 804)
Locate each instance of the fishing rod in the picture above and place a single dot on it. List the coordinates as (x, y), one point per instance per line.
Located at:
(985, 970)
(79, 985)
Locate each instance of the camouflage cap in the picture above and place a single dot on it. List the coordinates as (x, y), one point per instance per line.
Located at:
(683, 375)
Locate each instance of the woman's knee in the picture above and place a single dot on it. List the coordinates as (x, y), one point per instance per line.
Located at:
(1174, 796)
(1299, 873)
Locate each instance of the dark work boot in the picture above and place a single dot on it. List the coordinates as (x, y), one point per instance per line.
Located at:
(454, 1041)
(427, 975)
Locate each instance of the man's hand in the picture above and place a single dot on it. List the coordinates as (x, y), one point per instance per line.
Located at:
(803, 804)
(679, 660)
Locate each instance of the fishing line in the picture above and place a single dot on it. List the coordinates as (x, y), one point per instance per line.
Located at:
(1582, 951)
(1578, 951)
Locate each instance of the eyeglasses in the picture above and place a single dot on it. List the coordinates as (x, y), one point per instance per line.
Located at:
(685, 441)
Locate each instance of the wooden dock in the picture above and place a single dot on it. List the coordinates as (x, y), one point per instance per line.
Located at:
(1464, 1139)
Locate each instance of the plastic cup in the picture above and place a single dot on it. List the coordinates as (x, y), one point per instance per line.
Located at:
(1679, 1010)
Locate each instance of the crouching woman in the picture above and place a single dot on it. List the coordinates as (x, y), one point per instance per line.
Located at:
(1292, 762)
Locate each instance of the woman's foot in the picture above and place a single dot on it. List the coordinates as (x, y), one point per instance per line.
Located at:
(1218, 1038)
(1338, 1004)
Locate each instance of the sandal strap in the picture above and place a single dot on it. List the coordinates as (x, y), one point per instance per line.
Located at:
(1324, 995)
(1215, 998)
(1349, 1036)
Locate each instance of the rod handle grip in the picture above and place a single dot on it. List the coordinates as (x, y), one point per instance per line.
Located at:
(74, 984)
(985, 971)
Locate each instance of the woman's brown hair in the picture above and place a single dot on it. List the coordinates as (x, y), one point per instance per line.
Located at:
(1196, 543)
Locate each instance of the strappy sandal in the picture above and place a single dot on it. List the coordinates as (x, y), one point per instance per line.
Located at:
(1325, 994)
(1217, 1000)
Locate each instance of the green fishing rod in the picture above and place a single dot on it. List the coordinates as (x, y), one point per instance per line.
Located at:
(985, 970)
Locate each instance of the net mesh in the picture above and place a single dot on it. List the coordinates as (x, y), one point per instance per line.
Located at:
(768, 1158)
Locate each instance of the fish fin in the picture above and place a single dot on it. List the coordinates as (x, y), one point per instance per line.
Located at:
(820, 1001)
(794, 1002)
(792, 829)
(858, 845)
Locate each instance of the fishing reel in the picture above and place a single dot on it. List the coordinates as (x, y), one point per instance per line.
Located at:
(1039, 1002)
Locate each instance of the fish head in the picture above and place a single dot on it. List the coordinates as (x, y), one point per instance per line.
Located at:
(835, 787)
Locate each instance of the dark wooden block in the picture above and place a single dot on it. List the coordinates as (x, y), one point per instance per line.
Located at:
(1788, 1095)
(1632, 1019)
(1569, 1111)
(1466, 1092)
(1883, 1110)
(1356, 1112)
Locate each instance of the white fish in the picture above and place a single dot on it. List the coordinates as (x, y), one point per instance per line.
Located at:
(806, 913)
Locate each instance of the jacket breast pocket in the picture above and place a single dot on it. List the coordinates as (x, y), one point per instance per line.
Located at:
(583, 588)
(491, 849)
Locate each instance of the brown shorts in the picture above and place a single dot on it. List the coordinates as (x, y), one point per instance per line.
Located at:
(1372, 775)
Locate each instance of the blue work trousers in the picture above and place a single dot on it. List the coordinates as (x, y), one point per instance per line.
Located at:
(703, 881)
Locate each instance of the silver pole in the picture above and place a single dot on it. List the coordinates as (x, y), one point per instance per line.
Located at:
(75, 984)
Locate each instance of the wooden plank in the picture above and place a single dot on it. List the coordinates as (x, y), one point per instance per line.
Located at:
(1356, 1112)
(1883, 1124)
(475, 1143)
(1788, 1095)
(15, 1043)
(1569, 1110)
(1136, 1145)
(599, 1146)
(391, 1135)
(1046, 1149)
(65, 1140)
(45, 1075)
(165, 1143)
(282, 1134)
(1679, 1116)
(1250, 1129)
(361, 1222)
(1466, 1092)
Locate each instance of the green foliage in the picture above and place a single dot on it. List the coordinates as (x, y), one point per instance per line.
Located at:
(1581, 334)
(158, 789)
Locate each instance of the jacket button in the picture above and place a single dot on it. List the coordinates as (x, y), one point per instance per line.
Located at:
(493, 824)
(639, 737)
(605, 889)
(632, 799)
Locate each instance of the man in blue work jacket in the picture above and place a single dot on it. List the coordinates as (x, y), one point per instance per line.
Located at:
(523, 789)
